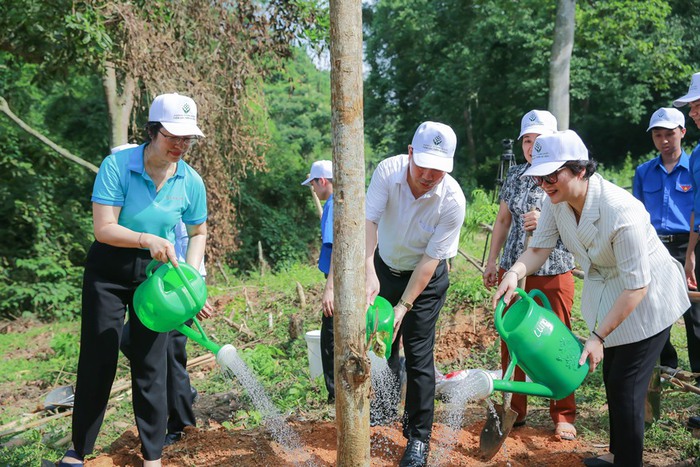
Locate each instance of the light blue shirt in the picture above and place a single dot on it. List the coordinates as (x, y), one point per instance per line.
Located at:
(123, 181)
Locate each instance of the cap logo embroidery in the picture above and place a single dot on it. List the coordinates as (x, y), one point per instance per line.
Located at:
(538, 146)
(437, 141)
(532, 117)
(186, 108)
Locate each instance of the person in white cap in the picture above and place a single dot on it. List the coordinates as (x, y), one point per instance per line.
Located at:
(520, 204)
(321, 181)
(139, 195)
(181, 394)
(665, 186)
(414, 212)
(692, 266)
(633, 289)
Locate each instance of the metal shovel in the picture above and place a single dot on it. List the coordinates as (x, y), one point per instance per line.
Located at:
(58, 398)
(501, 419)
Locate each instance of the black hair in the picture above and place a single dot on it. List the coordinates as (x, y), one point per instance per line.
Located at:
(152, 130)
(577, 167)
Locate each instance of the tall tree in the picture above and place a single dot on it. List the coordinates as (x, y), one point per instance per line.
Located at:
(352, 369)
(559, 64)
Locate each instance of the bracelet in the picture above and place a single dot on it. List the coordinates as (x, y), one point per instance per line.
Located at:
(510, 271)
(602, 341)
(140, 235)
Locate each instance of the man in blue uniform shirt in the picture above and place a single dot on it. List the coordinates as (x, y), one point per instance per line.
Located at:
(665, 186)
(321, 181)
(692, 97)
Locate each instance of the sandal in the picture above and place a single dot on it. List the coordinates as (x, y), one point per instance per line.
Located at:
(565, 431)
(70, 453)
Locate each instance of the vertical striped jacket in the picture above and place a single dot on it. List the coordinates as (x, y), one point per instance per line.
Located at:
(617, 248)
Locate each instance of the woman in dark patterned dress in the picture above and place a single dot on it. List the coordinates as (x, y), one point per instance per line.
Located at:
(520, 204)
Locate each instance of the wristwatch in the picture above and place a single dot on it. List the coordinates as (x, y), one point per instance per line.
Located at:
(406, 304)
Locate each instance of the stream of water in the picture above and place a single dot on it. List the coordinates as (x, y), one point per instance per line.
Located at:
(274, 422)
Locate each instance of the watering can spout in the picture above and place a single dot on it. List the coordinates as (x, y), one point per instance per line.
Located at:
(225, 354)
(484, 385)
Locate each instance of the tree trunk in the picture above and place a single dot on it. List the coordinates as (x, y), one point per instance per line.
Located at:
(118, 105)
(559, 66)
(352, 366)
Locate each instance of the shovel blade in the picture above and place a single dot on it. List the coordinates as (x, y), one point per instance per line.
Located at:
(59, 397)
(498, 424)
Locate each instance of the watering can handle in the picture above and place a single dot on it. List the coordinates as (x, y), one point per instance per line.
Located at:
(152, 265)
(535, 293)
(498, 315)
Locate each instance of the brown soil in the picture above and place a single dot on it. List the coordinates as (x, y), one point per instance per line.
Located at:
(526, 446)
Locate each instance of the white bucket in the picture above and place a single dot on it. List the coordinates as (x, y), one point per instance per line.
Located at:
(313, 349)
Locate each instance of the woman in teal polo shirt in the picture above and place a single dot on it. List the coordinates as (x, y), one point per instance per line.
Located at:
(139, 195)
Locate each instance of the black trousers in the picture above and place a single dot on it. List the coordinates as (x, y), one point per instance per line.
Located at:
(418, 332)
(626, 373)
(691, 318)
(109, 282)
(178, 386)
(327, 342)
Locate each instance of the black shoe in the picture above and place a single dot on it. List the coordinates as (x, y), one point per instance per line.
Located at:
(195, 394)
(172, 438)
(596, 462)
(416, 454)
(694, 422)
(331, 400)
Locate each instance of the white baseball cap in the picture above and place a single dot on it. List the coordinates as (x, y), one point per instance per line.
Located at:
(177, 114)
(540, 122)
(693, 92)
(320, 169)
(667, 117)
(434, 146)
(121, 147)
(552, 151)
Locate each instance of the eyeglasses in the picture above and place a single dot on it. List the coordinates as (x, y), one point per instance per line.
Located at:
(551, 178)
(186, 140)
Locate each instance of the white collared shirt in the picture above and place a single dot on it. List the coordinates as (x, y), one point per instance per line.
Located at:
(410, 227)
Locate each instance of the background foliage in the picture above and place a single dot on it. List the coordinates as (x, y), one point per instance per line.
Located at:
(477, 65)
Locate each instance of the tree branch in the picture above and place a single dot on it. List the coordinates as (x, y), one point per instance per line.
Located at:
(63, 152)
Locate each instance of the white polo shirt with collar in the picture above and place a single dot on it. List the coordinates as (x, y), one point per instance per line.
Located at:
(410, 227)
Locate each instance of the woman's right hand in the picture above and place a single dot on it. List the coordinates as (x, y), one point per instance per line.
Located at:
(161, 248)
(490, 276)
(506, 289)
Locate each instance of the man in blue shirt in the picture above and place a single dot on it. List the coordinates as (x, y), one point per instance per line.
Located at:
(692, 97)
(321, 181)
(665, 186)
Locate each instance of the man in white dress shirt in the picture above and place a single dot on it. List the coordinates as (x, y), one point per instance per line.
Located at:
(414, 214)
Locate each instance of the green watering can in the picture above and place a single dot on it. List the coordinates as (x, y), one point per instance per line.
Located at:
(380, 327)
(545, 349)
(171, 296)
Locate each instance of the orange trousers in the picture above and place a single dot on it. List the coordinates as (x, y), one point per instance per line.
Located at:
(560, 292)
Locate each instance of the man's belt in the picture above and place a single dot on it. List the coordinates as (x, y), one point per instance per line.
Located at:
(674, 238)
(397, 273)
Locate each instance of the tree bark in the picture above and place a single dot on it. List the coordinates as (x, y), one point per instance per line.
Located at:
(5, 108)
(352, 366)
(559, 65)
(119, 104)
